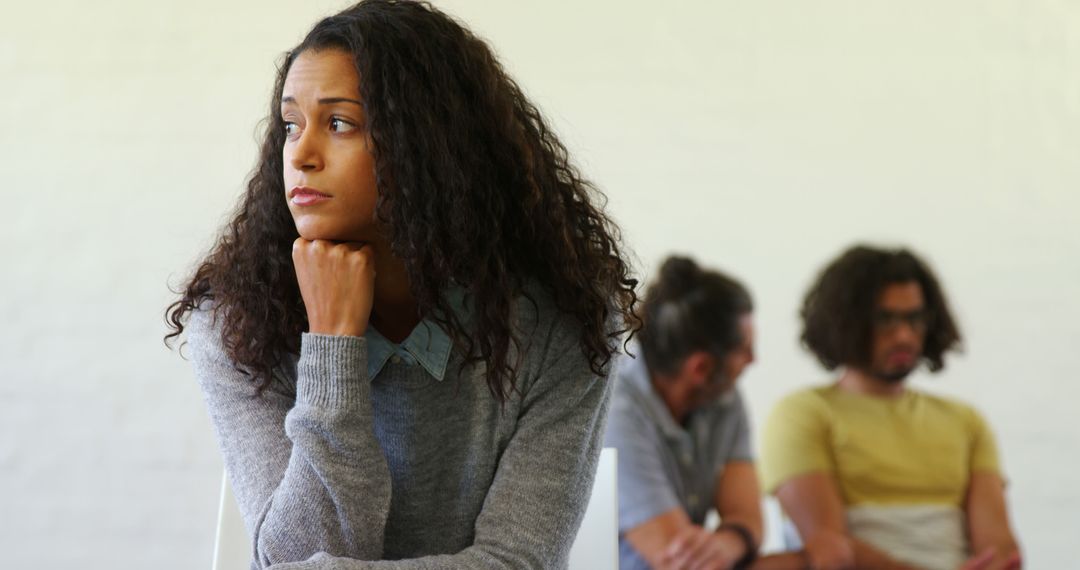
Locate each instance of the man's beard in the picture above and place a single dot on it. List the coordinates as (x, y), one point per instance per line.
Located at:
(897, 373)
(894, 376)
(717, 388)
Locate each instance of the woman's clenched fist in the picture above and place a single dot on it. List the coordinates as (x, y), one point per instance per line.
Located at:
(337, 283)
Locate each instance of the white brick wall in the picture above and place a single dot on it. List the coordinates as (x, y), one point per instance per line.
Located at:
(761, 137)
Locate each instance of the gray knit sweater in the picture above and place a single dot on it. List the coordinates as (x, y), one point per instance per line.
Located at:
(334, 469)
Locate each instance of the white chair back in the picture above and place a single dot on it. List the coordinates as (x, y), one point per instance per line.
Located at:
(232, 547)
(597, 544)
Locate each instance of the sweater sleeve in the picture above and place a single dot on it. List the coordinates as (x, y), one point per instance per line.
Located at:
(308, 462)
(542, 485)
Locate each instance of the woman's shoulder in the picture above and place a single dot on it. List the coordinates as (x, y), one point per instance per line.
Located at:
(206, 347)
(555, 371)
(203, 330)
(540, 323)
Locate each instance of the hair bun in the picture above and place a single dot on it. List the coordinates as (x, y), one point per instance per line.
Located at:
(679, 274)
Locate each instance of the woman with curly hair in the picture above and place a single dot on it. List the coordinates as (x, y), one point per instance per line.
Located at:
(403, 334)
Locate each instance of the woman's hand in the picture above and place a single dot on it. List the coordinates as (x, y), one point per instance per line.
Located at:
(337, 283)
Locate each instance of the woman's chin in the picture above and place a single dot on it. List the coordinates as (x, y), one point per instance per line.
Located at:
(317, 231)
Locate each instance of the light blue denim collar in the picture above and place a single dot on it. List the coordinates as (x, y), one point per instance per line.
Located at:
(428, 344)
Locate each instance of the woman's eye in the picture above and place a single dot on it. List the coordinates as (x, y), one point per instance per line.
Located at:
(291, 129)
(341, 126)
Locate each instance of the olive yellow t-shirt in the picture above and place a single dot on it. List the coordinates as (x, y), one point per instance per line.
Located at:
(912, 449)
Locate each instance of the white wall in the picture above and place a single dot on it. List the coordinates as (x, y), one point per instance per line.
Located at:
(760, 137)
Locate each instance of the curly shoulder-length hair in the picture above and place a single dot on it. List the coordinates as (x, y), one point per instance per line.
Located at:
(838, 309)
(474, 188)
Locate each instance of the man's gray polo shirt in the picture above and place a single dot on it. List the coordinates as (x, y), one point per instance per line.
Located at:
(663, 465)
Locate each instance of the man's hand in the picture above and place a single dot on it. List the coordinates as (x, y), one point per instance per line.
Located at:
(985, 560)
(827, 550)
(337, 283)
(698, 549)
(980, 561)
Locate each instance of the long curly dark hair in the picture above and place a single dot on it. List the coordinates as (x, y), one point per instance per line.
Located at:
(474, 188)
(838, 309)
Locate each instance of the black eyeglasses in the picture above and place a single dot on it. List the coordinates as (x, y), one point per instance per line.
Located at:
(890, 320)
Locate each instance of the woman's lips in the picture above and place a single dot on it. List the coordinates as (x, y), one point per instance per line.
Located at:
(304, 196)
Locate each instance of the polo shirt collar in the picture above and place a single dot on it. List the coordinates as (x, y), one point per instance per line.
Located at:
(636, 372)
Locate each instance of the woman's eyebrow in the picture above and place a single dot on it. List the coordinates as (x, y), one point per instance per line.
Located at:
(324, 101)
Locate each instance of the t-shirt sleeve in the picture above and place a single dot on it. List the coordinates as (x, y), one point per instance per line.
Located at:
(796, 440)
(742, 450)
(984, 453)
(644, 489)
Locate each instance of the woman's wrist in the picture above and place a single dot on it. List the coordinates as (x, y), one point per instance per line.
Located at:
(332, 370)
(337, 329)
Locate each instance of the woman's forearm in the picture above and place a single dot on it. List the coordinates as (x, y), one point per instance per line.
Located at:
(335, 493)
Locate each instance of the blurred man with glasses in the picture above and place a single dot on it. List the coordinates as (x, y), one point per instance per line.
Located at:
(873, 473)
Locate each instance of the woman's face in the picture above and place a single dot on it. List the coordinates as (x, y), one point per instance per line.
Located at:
(329, 169)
